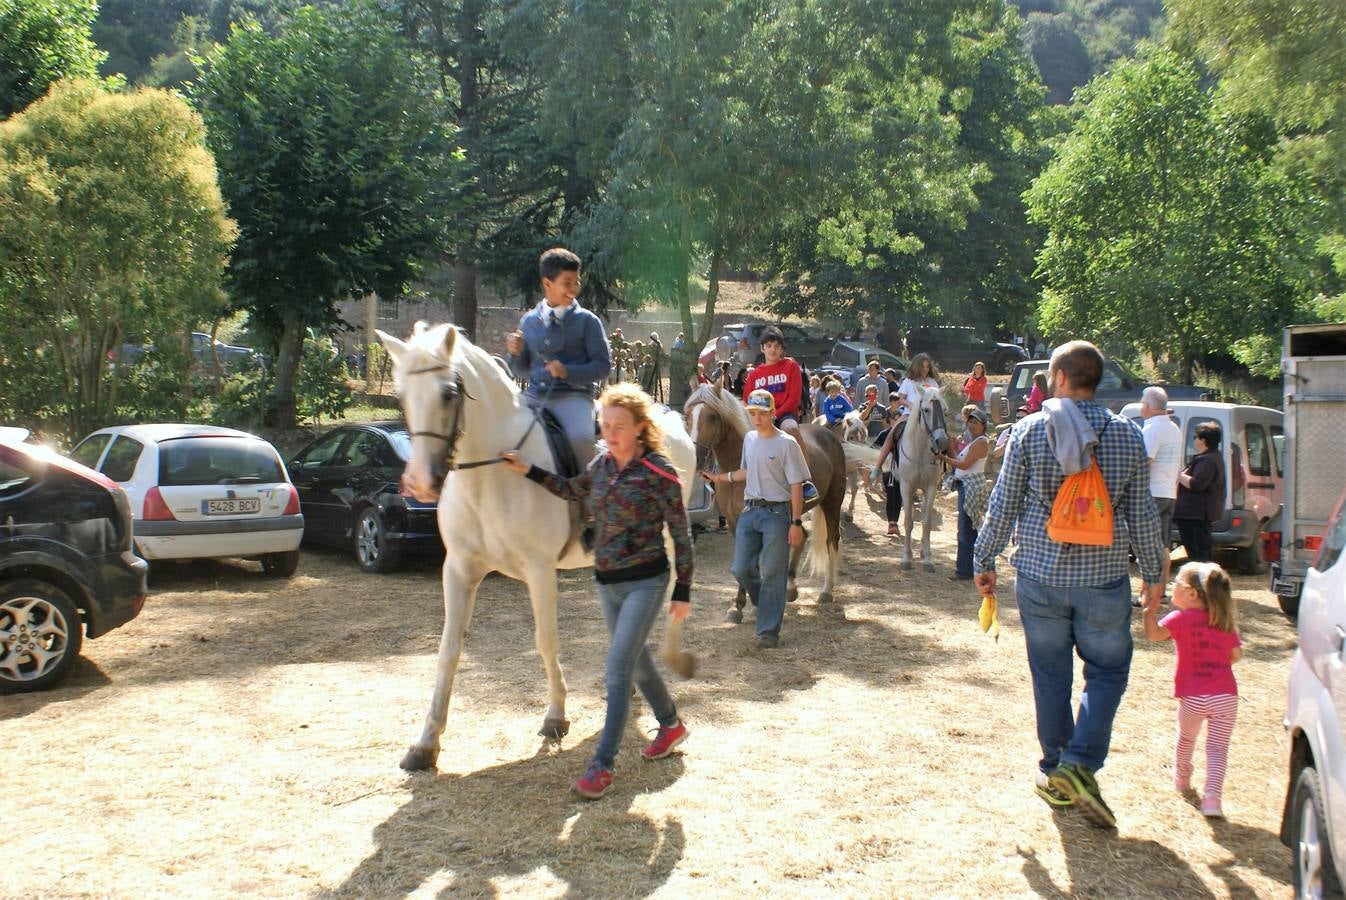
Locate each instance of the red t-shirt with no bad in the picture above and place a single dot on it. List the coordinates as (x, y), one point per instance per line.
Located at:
(785, 381)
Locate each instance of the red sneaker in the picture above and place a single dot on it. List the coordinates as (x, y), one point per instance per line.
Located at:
(593, 783)
(665, 740)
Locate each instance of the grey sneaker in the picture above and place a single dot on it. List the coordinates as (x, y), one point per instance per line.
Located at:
(768, 641)
(1042, 786)
(1077, 783)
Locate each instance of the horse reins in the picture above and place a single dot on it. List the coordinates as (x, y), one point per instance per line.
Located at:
(456, 394)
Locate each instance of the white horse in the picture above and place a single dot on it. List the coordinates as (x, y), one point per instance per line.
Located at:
(918, 469)
(462, 410)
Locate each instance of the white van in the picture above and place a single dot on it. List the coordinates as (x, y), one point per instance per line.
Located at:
(1253, 442)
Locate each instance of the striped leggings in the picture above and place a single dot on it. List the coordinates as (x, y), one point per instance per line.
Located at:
(1219, 712)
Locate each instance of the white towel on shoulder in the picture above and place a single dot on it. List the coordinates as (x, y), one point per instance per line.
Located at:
(1069, 434)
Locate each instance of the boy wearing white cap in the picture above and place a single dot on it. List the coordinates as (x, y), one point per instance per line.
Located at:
(771, 523)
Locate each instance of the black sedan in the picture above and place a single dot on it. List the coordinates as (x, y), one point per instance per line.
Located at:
(347, 481)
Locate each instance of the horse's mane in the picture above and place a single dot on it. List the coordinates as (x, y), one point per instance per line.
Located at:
(723, 402)
(425, 348)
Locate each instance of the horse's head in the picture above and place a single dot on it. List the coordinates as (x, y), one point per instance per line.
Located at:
(432, 393)
(931, 414)
(713, 416)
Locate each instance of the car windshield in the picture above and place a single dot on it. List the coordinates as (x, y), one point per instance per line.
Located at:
(218, 460)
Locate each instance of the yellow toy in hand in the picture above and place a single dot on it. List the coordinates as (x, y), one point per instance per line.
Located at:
(987, 617)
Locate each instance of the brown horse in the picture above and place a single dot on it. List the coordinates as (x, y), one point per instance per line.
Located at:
(717, 422)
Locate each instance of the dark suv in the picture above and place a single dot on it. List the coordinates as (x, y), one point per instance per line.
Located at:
(956, 348)
(66, 564)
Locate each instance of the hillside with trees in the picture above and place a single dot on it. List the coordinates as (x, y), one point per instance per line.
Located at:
(1072, 41)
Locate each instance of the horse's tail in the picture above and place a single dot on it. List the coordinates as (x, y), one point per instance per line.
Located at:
(859, 455)
(818, 557)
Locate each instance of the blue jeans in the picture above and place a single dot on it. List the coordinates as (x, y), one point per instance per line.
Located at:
(1094, 622)
(967, 537)
(762, 560)
(630, 609)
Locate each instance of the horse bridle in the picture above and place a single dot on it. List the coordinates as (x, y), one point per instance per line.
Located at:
(930, 432)
(456, 394)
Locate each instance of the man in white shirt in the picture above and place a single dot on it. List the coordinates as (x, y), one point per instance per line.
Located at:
(1163, 445)
(774, 472)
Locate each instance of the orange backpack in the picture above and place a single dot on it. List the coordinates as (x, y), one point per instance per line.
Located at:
(1082, 511)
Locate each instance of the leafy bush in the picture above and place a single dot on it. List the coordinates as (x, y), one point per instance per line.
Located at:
(320, 387)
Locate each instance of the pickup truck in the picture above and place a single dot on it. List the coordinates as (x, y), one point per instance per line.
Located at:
(1118, 387)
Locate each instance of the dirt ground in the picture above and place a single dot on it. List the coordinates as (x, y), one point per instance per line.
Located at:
(242, 738)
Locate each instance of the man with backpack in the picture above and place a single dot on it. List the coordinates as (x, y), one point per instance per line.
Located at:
(1068, 471)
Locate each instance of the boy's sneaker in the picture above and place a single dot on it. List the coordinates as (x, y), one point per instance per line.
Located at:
(768, 641)
(810, 496)
(1077, 783)
(665, 739)
(1053, 797)
(1210, 808)
(893, 529)
(593, 783)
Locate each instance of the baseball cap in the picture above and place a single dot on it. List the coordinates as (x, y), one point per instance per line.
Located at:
(977, 414)
(760, 399)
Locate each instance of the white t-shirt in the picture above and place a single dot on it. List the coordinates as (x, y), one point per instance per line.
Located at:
(773, 465)
(977, 468)
(1163, 445)
(911, 393)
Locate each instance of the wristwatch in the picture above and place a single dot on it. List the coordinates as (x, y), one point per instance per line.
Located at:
(799, 522)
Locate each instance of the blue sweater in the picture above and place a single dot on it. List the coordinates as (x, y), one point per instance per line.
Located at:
(835, 408)
(579, 342)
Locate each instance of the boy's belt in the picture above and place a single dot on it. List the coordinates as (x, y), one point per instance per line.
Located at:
(757, 502)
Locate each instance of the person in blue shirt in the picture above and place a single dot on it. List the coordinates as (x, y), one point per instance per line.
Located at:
(562, 349)
(836, 405)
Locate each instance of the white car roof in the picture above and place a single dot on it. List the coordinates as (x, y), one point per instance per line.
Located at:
(1199, 406)
(163, 432)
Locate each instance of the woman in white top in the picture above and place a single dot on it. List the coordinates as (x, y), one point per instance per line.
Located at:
(920, 374)
(969, 476)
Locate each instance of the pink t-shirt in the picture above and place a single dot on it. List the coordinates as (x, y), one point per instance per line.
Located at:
(1203, 654)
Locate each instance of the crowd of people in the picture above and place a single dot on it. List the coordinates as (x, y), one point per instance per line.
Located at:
(1073, 598)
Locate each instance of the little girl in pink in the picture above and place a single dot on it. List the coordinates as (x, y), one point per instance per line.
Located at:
(1205, 631)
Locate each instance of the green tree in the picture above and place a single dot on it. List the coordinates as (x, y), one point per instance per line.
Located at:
(42, 41)
(112, 228)
(1286, 60)
(1057, 49)
(334, 163)
(1167, 227)
(966, 253)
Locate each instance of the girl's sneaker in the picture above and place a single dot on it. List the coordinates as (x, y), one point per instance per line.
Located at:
(1182, 783)
(665, 739)
(593, 783)
(1210, 808)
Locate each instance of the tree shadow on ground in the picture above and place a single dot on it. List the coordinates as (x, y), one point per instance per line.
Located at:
(514, 819)
(1104, 864)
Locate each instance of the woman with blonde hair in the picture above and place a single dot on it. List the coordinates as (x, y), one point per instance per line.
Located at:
(633, 492)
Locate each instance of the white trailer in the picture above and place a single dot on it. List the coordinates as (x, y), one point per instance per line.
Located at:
(1313, 361)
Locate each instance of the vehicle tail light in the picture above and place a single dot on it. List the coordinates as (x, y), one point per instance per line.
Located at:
(743, 343)
(292, 505)
(1313, 542)
(1236, 522)
(1271, 546)
(156, 510)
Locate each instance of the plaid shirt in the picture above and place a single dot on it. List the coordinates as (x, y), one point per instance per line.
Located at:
(1022, 499)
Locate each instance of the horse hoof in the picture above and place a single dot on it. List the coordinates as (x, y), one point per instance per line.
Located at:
(791, 594)
(825, 597)
(734, 617)
(906, 565)
(554, 729)
(418, 759)
(929, 567)
(848, 517)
